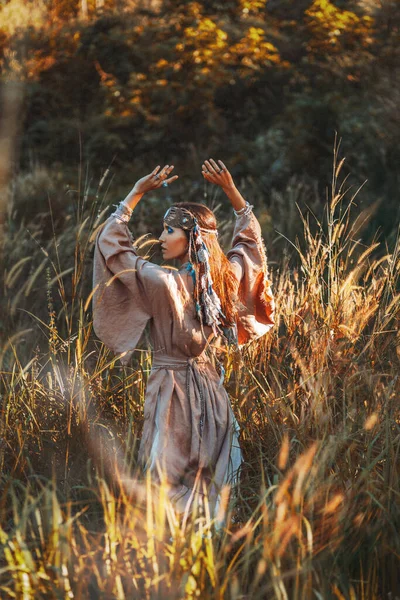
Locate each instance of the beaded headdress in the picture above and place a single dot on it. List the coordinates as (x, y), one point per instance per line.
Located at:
(179, 217)
(208, 304)
(183, 218)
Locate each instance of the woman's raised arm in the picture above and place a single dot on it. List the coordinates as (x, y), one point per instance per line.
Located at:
(247, 257)
(126, 287)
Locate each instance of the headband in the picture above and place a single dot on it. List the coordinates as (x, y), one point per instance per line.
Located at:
(184, 219)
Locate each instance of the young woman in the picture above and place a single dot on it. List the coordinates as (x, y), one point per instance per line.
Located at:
(190, 435)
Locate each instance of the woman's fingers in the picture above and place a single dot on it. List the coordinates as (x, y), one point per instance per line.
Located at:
(217, 168)
(163, 172)
(214, 172)
(167, 181)
(156, 174)
(222, 165)
(171, 179)
(155, 179)
(166, 171)
(162, 175)
(208, 169)
(208, 177)
(214, 168)
(217, 173)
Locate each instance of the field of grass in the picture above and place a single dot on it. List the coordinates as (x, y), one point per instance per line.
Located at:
(316, 514)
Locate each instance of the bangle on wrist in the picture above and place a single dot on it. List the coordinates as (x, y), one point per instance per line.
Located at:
(246, 210)
(123, 212)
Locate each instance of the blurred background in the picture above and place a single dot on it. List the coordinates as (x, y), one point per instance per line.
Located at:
(95, 93)
(262, 84)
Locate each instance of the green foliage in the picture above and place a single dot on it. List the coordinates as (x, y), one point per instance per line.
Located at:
(148, 81)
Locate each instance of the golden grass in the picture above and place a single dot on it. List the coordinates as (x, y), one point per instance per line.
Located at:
(316, 513)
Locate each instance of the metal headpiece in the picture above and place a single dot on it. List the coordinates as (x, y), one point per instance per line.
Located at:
(183, 218)
(180, 217)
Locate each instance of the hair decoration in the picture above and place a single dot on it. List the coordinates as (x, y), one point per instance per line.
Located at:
(207, 302)
(210, 312)
(184, 219)
(179, 217)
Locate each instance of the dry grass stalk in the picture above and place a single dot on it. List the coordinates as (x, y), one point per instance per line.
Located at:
(316, 512)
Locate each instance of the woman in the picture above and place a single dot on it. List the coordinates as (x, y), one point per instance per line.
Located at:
(190, 435)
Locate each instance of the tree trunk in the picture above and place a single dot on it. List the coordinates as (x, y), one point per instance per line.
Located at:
(84, 9)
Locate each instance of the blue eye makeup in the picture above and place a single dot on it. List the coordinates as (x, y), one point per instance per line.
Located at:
(170, 230)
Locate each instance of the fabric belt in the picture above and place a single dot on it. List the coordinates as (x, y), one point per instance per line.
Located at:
(163, 361)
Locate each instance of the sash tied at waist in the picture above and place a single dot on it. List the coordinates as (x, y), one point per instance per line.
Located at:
(163, 361)
(193, 375)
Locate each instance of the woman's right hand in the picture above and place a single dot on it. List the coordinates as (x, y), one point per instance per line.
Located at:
(217, 174)
(154, 180)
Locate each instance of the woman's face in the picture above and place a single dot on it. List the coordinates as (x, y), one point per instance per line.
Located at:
(174, 243)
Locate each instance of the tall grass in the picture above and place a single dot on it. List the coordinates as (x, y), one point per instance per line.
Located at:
(316, 513)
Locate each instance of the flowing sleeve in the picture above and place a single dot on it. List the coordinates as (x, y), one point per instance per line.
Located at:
(248, 258)
(125, 288)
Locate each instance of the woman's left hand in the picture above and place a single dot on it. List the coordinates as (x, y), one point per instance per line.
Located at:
(154, 180)
(217, 174)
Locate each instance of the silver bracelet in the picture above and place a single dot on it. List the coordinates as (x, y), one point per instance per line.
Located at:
(245, 211)
(123, 212)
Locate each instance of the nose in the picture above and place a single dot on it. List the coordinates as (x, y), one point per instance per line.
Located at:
(161, 238)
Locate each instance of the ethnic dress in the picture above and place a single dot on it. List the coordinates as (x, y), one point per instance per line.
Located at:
(189, 426)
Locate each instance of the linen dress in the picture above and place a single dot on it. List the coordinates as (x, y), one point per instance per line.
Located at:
(189, 426)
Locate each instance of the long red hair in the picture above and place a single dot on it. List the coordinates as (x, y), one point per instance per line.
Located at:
(224, 280)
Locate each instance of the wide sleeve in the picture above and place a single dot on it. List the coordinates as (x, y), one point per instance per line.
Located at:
(249, 261)
(125, 288)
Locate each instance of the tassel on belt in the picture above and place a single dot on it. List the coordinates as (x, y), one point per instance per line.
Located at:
(191, 365)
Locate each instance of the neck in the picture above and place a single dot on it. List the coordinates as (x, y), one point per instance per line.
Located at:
(183, 259)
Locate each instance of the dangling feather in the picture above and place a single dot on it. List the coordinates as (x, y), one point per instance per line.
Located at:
(208, 304)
